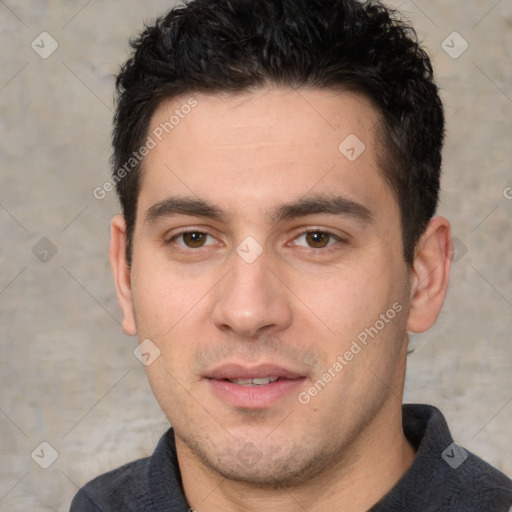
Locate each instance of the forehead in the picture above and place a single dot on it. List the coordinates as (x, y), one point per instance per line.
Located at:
(264, 147)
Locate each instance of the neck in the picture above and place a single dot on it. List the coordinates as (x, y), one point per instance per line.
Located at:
(378, 458)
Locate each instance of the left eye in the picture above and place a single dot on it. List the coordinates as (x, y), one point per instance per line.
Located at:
(193, 239)
(316, 239)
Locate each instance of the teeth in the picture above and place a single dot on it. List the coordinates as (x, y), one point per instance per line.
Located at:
(258, 381)
(263, 380)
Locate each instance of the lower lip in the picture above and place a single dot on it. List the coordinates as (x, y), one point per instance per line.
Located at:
(254, 397)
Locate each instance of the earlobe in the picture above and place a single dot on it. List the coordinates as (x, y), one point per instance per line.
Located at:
(121, 271)
(430, 275)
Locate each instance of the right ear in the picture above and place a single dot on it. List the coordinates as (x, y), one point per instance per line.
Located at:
(121, 273)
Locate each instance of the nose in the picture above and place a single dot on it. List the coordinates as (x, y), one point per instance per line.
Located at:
(252, 300)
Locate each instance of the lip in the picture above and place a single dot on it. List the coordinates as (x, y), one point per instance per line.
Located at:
(239, 371)
(253, 397)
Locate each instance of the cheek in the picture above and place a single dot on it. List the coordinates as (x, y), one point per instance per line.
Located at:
(173, 312)
(346, 299)
(152, 298)
(164, 298)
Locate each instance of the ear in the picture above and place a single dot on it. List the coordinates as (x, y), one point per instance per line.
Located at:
(430, 275)
(121, 273)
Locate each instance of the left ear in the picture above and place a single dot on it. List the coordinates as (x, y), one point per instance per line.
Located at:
(430, 275)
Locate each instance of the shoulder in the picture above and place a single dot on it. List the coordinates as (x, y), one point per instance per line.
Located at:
(444, 474)
(123, 488)
(152, 483)
(476, 485)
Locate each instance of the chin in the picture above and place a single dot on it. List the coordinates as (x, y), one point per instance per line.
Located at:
(276, 467)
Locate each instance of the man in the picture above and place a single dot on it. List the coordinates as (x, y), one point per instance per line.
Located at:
(278, 168)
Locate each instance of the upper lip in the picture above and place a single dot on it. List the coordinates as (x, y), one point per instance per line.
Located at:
(239, 371)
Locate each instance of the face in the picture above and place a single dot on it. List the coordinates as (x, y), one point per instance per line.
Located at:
(268, 272)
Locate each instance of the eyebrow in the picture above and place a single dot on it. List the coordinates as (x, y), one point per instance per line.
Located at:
(331, 205)
(183, 206)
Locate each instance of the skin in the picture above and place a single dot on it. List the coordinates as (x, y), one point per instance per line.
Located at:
(299, 304)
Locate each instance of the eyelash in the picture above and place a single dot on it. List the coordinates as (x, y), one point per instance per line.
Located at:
(326, 249)
(184, 232)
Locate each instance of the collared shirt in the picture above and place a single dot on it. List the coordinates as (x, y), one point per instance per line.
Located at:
(442, 478)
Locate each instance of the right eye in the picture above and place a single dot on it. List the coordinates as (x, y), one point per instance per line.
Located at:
(192, 239)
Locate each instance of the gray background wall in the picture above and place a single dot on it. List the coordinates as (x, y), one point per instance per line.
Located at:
(68, 375)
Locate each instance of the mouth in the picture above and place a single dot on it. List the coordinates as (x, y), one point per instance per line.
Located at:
(256, 387)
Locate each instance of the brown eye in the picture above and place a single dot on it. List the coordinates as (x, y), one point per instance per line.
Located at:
(317, 239)
(194, 239)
